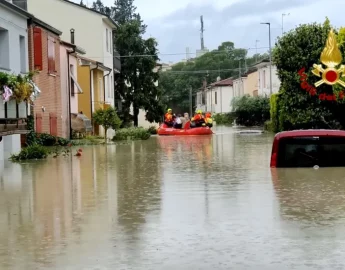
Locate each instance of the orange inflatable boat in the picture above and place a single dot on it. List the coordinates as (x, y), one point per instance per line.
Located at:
(187, 130)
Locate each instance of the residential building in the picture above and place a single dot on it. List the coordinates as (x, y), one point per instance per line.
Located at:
(263, 68)
(219, 96)
(70, 88)
(44, 58)
(239, 85)
(252, 82)
(13, 60)
(93, 32)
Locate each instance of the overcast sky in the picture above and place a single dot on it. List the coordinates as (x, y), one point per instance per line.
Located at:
(176, 23)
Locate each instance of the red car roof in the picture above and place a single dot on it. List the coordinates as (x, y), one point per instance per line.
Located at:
(310, 132)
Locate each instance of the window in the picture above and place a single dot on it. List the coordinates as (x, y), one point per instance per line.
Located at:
(22, 54)
(215, 97)
(51, 55)
(107, 39)
(264, 79)
(38, 48)
(4, 49)
(74, 82)
(311, 151)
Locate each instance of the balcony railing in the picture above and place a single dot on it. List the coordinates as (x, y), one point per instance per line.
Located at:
(10, 126)
(117, 61)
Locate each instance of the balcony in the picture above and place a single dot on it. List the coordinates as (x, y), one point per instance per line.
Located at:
(10, 126)
(117, 62)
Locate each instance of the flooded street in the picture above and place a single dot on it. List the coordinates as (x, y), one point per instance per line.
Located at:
(172, 203)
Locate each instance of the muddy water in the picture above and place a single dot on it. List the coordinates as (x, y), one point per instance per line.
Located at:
(172, 203)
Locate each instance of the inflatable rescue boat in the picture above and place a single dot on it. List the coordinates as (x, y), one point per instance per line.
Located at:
(187, 130)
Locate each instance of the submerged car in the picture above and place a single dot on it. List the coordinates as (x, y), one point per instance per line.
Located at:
(308, 148)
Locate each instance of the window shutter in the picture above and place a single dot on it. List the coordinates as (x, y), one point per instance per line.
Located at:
(38, 48)
(51, 55)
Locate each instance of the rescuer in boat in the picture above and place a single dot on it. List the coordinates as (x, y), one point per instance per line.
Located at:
(198, 120)
(208, 119)
(168, 118)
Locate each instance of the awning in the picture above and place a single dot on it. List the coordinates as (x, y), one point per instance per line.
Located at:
(80, 91)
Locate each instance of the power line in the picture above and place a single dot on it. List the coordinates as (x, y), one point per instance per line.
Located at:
(165, 54)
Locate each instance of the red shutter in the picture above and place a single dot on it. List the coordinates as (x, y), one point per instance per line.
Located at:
(53, 124)
(51, 55)
(38, 48)
(38, 123)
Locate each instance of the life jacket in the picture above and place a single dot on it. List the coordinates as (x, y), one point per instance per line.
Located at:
(198, 117)
(208, 118)
(168, 117)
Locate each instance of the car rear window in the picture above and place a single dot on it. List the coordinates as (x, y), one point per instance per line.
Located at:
(310, 151)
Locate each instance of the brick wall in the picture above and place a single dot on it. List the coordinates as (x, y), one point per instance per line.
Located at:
(49, 84)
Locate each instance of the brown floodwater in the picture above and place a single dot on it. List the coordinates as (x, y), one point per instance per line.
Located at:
(171, 203)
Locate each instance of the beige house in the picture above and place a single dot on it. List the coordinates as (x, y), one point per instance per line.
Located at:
(252, 82)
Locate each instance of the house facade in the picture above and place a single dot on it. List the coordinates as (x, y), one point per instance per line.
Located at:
(93, 32)
(13, 60)
(252, 83)
(239, 85)
(264, 78)
(219, 96)
(44, 58)
(70, 88)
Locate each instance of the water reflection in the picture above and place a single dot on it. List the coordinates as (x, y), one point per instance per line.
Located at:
(312, 196)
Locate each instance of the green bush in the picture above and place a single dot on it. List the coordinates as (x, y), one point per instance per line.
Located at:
(31, 152)
(152, 130)
(132, 134)
(224, 118)
(251, 111)
(274, 113)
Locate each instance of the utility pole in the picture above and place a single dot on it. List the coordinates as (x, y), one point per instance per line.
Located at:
(283, 22)
(269, 40)
(202, 33)
(191, 101)
(256, 50)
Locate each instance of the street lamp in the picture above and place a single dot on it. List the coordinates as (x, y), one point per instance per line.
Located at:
(269, 40)
(284, 14)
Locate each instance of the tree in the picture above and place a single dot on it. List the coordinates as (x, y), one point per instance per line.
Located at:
(82, 3)
(298, 49)
(107, 118)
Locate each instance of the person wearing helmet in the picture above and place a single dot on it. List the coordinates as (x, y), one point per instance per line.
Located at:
(208, 119)
(198, 119)
(168, 118)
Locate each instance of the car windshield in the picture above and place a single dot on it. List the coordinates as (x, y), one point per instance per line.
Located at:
(310, 151)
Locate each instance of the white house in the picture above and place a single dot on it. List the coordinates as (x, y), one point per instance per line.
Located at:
(264, 78)
(93, 32)
(13, 59)
(216, 97)
(240, 85)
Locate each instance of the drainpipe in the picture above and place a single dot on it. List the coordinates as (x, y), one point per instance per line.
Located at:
(106, 75)
(69, 85)
(91, 69)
